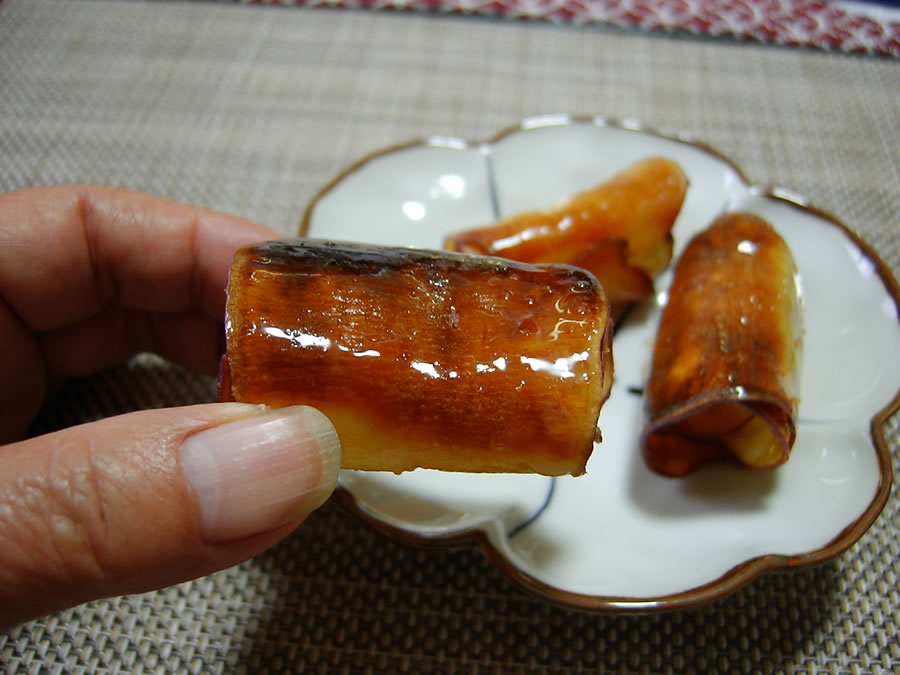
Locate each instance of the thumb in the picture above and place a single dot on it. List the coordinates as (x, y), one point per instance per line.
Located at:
(149, 499)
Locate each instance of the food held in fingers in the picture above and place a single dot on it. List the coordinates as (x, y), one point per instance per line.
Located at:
(423, 359)
(724, 377)
(619, 230)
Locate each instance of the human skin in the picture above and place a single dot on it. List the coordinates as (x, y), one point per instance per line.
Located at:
(90, 276)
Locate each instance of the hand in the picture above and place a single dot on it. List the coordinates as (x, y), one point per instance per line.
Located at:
(88, 277)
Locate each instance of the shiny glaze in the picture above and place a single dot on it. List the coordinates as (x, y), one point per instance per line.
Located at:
(723, 383)
(423, 359)
(619, 230)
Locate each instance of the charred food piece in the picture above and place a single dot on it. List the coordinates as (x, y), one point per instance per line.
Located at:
(423, 359)
(723, 382)
(619, 230)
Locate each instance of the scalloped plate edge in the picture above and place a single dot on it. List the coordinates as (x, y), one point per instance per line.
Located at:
(738, 576)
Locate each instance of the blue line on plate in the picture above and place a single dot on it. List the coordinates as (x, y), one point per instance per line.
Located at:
(492, 184)
(537, 514)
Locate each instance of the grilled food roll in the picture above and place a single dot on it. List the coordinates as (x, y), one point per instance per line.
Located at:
(619, 230)
(724, 377)
(423, 359)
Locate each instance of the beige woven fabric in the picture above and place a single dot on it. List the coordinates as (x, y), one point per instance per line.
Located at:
(250, 110)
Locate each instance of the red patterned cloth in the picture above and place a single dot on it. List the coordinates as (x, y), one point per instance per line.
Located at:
(846, 27)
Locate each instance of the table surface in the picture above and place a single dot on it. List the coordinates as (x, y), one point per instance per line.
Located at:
(251, 109)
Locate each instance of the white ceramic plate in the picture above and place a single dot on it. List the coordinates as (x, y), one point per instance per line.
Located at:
(622, 538)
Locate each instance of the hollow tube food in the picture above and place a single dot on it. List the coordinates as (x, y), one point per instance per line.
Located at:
(619, 230)
(724, 377)
(423, 359)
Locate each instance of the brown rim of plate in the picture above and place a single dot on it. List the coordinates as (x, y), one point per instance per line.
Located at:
(740, 575)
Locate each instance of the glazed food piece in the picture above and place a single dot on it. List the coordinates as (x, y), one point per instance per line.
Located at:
(723, 382)
(423, 359)
(619, 230)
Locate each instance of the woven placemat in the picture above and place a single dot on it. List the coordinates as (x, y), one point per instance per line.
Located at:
(251, 110)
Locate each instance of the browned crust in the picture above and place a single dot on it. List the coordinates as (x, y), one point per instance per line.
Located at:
(726, 352)
(424, 359)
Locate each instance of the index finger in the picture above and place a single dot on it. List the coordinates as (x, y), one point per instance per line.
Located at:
(69, 252)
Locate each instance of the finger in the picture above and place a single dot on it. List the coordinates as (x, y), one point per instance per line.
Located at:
(153, 498)
(23, 376)
(111, 337)
(91, 275)
(68, 252)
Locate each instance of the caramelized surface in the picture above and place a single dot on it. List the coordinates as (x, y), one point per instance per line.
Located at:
(723, 379)
(638, 207)
(423, 359)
